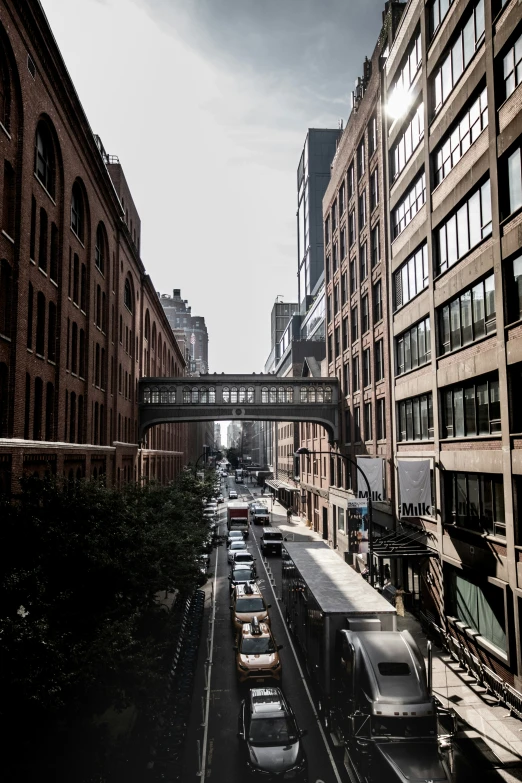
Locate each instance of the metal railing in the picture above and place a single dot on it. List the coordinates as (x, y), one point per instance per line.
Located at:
(492, 682)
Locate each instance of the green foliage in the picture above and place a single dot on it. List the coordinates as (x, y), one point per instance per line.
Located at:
(81, 566)
(233, 457)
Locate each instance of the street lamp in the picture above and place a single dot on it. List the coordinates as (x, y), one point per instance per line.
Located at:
(201, 456)
(306, 452)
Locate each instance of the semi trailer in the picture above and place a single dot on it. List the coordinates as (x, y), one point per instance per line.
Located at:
(369, 679)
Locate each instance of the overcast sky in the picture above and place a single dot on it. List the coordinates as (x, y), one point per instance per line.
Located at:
(207, 104)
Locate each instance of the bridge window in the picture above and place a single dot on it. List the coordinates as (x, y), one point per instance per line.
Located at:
(328, 394)
(250, 394)
(281, 394)
(186, 394)
(264, 394)
(226, 394)
(195, 394)
(146, 394)
(172, 394)
(164, 396)
(203, 395)
(212, 394)
(155, 395)
(320, 394)
(233, 394)
(273, 394)
(242, 394)
(311, 394)
(304, 394)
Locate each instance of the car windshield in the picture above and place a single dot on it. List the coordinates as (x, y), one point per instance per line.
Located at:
(257, 645)
(243, 557)
(242, 575)
(249, 605)
(402, 727)
(272, 731)
(273, 536)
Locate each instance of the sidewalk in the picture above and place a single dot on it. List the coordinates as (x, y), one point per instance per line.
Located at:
(487, 734)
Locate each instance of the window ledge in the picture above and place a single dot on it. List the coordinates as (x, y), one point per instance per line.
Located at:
(40, 356)
(415, 442)
(42, 271)
(50, 361)
(468, 345)
(73, 232)
(43, 187)
(477, 638)
(2, 126)
(8, 237)
(5, 337)
(467, 438)
(414, 369)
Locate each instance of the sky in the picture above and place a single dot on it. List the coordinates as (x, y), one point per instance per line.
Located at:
(207, 104)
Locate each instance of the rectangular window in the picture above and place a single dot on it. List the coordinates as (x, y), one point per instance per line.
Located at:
(355, 324)
(375, 246)
(380, 412)
(355, 374)
(411, 277)
(459, 56)
(334, 216)
(438, 11)
(465, 229)
(351, 228)
(344, 288)
(415, 418)
(365, 314)
(408, 141)
(362, 210)
(363, 258)
(346, 379)
(512, 68)
(343, 242)
(32, 240)
(368, 421)
(326, 231)
(335, 259)
(340, 519)
(361, 162)
(374, 189)
(330, 349)
(469, 316)
(379, 360)
(351, 181)
(514, 170)
(461, 136)
(406, 210)
(406, 75)
(347, 427)
(357, 424)
(480, 606)
(367, 367)
(372, 135)
(42, 241)
(471, 409)
(342, 200)
(413, 347)
(353, 276)
(377, 301)
(336, 299)
(475, 501)
(9, 200)
(345, 333)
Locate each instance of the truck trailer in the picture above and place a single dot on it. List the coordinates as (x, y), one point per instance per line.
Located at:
(369, 679)
(237, 517)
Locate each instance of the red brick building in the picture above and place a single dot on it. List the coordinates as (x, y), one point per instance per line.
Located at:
(80, 320)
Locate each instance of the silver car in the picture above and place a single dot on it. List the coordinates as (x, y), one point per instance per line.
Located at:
(236, 546)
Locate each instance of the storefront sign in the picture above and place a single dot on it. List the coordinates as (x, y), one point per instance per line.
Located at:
(357, 515)
(373, 469)
(415, 488)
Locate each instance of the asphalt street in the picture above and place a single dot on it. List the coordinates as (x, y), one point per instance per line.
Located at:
(212, 748)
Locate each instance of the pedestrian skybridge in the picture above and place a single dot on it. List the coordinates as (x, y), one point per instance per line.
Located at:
(248, 397)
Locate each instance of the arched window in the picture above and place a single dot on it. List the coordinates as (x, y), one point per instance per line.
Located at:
(195, 394)
(304, 394)
(99, 249)
(311, 394)
(164, 395)
(212, 394)
(146, 394)
(5, 297)
(147, 326)
(250, 394)
(226, 394)
(328, 394)
(77, 211)
(172, 394)
(281, 396)
(320, 394)
(242, 394)
(233, 394)
(155, 395)
(264, 394)
(44, 159)
(153, 342)
(273, 394)
(127, 296)
(186, 395)
(203, 395)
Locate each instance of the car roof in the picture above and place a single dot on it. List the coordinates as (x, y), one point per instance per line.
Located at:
(235, 533)
(242, 544)
(263, 628)
(240, 591)
(267, 702)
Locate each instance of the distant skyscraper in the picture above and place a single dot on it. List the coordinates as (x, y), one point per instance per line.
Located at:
(188, 328)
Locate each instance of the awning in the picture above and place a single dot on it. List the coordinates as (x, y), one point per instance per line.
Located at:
(276, 484)
(403, 543)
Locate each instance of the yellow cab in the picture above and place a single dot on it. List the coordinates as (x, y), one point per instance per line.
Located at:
(247, 603)
(257, 654)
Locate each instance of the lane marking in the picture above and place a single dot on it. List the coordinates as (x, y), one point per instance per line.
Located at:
(301, 674)
(211, 653)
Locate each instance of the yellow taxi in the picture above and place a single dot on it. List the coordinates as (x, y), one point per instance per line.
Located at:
(257, 654)
(247, 603)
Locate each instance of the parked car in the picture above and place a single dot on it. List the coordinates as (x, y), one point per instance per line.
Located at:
(257, 654)
(236, 546)
(232, 494)
(240, 575)
(270, 739)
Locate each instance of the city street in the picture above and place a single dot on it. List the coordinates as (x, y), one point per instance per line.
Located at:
(216, 741)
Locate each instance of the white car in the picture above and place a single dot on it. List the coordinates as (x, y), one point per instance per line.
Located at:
(243, 558)
(236, 546)
(235, 535)
(232, 495)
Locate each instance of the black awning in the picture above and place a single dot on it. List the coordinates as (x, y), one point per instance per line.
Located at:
(403, 543)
